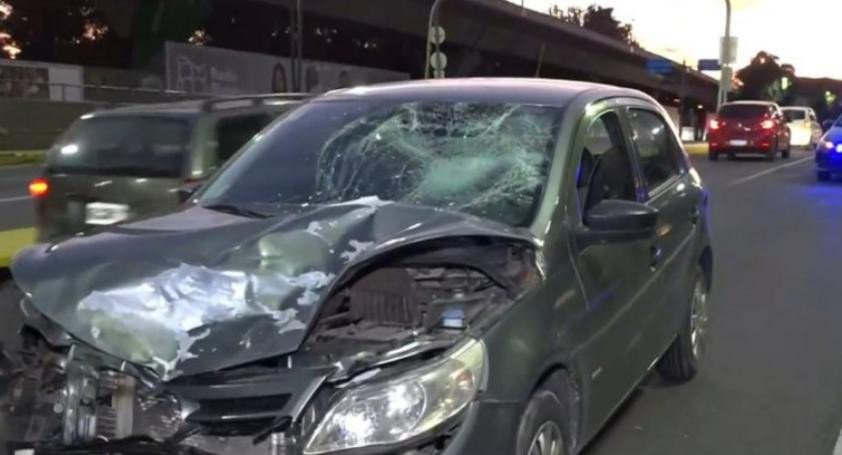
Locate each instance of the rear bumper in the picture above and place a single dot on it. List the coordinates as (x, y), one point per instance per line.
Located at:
(754, 150)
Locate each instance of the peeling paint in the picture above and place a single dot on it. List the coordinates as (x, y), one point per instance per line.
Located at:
(356, 248)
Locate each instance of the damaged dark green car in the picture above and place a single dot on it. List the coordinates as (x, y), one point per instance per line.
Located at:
(425, 268)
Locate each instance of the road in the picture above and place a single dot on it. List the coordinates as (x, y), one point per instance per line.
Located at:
(772, 379)
(15, 205)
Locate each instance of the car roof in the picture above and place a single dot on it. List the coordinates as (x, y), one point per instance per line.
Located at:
(195, 107)
(794, 108)
(522, 90)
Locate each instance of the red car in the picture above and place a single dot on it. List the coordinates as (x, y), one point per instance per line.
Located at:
(749, 127)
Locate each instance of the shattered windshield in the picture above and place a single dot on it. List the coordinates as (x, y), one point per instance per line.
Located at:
(487, 159)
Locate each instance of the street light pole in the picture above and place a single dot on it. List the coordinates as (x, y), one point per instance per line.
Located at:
(434, 14)
(724, 79)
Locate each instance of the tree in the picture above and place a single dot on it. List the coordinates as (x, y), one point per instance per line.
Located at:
(598, 19)
(765, 78)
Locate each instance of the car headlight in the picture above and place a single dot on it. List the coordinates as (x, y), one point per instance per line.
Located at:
(402, 408)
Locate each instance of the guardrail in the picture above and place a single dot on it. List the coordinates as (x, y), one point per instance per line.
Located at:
(56, 91)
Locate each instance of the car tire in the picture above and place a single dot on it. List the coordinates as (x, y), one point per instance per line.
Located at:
(787, 152)
(823, 176)
(681, 361)
(713, 156)
(772, 153)
(543, 425)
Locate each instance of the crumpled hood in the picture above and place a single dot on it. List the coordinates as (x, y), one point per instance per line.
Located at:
(198, 290)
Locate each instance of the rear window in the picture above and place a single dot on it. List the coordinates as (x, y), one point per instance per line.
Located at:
(743, 111)
(794, 114)
(123, 146)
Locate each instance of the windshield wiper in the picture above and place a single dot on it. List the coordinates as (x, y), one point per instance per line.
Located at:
(236, 210)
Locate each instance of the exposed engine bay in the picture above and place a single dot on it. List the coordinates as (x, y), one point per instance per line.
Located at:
(380, 320)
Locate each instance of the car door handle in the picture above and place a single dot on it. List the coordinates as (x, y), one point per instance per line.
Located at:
(655, 256)
(695, 214)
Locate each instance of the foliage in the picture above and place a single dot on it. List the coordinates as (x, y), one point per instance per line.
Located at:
(598, 19)
(763, 78)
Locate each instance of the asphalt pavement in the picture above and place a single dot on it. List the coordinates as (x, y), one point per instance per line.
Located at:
(772, 379)
(16, 209)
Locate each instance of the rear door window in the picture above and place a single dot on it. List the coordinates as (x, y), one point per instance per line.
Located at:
(794, 115)
(233, 132)
(656, 147)
(135, 146)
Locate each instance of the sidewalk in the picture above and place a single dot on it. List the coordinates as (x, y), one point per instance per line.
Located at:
(696, 148)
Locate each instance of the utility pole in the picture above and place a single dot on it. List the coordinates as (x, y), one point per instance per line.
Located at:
(296, 44)
(725, 78)
(433, 21)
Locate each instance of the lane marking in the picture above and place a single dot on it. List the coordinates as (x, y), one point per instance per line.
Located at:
(765, 172)
(14, 199)
(837, 449)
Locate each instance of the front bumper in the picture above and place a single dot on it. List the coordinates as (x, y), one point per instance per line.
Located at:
(830, 162)
(486, 427)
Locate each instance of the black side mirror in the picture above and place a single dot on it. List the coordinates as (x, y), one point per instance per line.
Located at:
(187, 190)
(612, 221)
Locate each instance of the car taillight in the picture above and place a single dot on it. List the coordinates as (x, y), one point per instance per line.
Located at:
(767, 124)
(39, 187)
(715, 124)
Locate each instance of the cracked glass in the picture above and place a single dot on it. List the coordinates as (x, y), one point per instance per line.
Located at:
(486, 159)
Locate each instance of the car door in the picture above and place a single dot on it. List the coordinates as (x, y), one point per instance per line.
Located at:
(815, 127)
(612, 275)
(670, 190)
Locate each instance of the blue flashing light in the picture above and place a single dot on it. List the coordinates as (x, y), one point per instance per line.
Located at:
(838, 148)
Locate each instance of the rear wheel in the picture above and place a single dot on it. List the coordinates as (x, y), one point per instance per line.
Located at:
(542, 427)
(786, 152)
(773, 152)
(713, 156)
(681, 361)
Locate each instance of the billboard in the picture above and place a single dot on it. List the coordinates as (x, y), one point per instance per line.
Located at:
(217, 71)
(37, 80)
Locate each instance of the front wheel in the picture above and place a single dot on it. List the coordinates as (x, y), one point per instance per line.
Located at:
(541, 430)
(681, 361)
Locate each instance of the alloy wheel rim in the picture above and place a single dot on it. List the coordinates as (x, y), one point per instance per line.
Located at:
(699, 319)
(547, 441)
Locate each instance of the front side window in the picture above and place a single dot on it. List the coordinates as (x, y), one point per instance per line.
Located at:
(486, 159)
(656, 147)
(605, 170)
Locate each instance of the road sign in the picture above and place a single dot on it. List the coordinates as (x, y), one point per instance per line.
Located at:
(437, 35)
(438, 60)
(659, 66)
(728, 50)
(709, 64)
